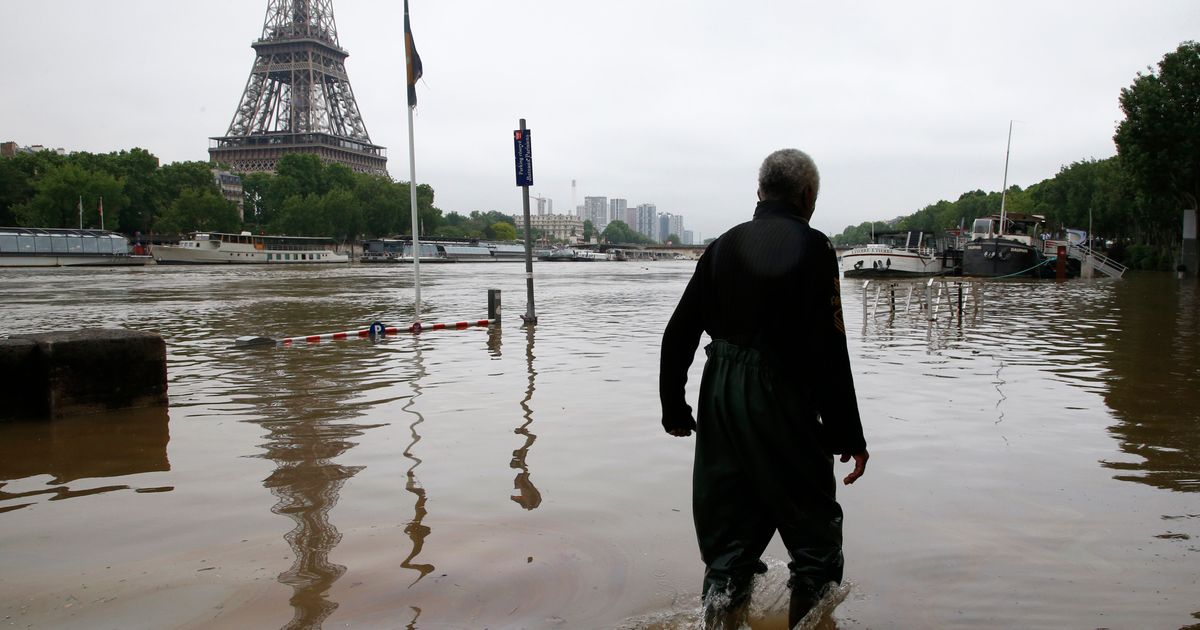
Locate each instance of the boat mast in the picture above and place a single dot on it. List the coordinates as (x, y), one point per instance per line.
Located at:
(1004, 189)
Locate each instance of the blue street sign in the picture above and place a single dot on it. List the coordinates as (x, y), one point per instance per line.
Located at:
(523, 152)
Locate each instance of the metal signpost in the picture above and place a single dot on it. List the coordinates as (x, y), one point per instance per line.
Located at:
(523, 154)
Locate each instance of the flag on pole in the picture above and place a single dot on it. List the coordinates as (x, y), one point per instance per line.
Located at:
(101, 212)
(412, 60)
(81, 212)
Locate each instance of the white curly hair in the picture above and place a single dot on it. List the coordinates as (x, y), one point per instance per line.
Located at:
(790, 175)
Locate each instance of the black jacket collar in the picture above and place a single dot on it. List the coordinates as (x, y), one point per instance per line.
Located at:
(774, 207)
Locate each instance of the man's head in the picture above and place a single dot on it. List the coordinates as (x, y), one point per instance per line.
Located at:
(791, 176)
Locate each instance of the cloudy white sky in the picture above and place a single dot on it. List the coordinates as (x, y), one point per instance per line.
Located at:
(673, 102)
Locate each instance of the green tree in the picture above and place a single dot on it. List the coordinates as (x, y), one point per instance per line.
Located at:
(502, 231)
(15, 188)
(589, 230)
(672, 239)
(303, 216)
(1159, 140)
(139, 169)
(178, 176)
(382, 202)
(620, 232)
(57, 194)
(199, 210)
(343, 213)
(256, 188)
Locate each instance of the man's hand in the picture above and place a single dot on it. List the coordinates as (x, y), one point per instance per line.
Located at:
(860, 466)
(680, 432)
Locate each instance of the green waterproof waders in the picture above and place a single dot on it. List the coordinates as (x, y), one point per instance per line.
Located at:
(760, 467)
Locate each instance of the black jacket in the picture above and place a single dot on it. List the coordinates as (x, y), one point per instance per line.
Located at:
(771, 284)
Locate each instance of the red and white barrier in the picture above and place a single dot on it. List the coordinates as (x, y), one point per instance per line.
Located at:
(388, 330)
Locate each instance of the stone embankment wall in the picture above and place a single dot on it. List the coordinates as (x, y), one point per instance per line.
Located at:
(51, 375)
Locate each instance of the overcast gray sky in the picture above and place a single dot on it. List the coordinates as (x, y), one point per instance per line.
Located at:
(673, 102)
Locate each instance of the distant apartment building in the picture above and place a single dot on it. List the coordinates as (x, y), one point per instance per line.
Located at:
(688, 237)
(617, 209)
(11, 149)
(669, 224)
(646, 220)
(560, 226)
(595, 209)
(231, 190)
(541, 206)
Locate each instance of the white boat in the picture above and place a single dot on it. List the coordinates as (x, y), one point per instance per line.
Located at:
(51, 247)
(570, 254)
(897, 254)
(395, 250)
(216, 248)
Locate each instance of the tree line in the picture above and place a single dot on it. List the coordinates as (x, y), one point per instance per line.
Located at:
(1133, 199)
(304, 197)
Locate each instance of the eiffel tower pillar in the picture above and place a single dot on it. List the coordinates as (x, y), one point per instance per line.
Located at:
(298, 97)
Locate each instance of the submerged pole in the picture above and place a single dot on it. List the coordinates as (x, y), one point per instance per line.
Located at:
(523, 148)
(413, 64)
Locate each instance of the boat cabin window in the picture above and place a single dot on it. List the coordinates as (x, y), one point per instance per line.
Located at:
(8, 243)
(982, 227)
(58, 244)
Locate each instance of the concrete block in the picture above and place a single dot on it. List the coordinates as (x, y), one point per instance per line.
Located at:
(18, 394)
(85, 371)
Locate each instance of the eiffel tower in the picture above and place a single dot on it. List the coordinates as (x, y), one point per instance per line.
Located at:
(298, 98)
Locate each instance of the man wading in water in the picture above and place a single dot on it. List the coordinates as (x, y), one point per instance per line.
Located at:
(776, 400)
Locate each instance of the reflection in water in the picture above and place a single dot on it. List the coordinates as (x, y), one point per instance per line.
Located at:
(1136, 342)
(304, 438)
(527, 494)
(114, 444)
(416, 530)
(1155, 385)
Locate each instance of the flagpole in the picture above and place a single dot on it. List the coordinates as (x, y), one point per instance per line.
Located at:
(412, 189)
(413, 73)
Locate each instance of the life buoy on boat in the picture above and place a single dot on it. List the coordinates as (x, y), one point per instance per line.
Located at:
(858, 265)
(889, 263)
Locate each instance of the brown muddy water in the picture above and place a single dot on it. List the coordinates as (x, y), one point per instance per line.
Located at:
(1033, 466)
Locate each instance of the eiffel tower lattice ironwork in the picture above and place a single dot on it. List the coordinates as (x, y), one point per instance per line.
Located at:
(298, 98)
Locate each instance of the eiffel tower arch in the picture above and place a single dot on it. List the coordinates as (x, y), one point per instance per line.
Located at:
(298, 97)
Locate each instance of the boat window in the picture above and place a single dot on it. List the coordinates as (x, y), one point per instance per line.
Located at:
(105, 245)
(43, 243)
(8, 243)
(58, 244)
(25, 244)
(982, 227)
(75, 244)
(89, 245)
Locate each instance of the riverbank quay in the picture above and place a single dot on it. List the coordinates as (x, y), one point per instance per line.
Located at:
(51, 375)
(1032, 467)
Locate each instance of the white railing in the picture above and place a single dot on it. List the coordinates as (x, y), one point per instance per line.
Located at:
(1100, 262)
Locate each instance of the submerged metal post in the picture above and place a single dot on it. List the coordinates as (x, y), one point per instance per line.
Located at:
(494, 305)
(929, 299)
(523, 146)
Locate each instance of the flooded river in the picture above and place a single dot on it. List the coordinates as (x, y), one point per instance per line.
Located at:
(1035, 464)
